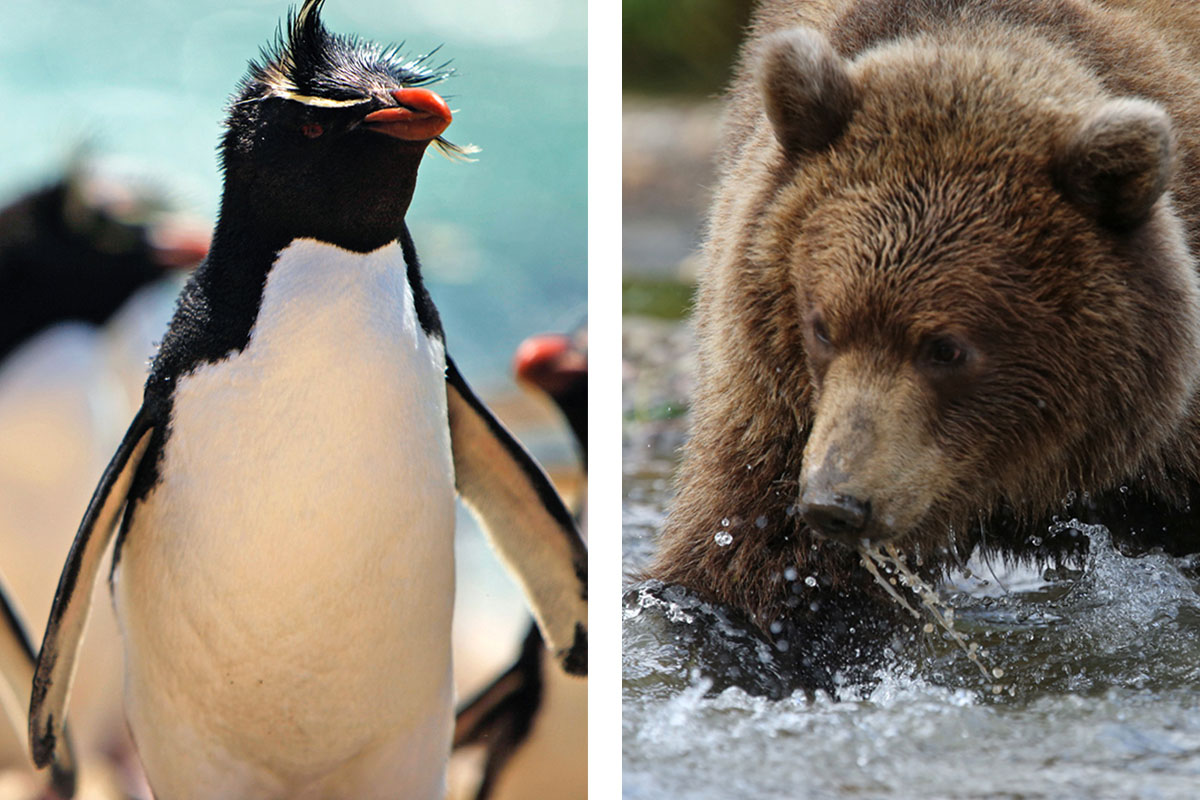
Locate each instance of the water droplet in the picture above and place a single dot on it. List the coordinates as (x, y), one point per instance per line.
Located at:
(997, 672)
(761, 522)
(725, 522)
(811, 580)
(723, 538)
(790, 574)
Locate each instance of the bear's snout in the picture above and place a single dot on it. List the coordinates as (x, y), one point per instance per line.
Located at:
(838, 516)
(832, 502)
(869, 470)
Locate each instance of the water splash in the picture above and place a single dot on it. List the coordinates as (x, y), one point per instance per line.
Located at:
(931, 601)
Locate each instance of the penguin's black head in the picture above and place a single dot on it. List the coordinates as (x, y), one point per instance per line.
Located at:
(325, 135)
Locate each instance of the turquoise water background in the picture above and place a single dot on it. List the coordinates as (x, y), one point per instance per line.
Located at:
(142, 86)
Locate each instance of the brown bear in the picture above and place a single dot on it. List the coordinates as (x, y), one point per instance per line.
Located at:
(949, 294)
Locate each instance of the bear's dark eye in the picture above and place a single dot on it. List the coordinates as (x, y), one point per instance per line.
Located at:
(312, 129)
(945, 351)
(820, 332)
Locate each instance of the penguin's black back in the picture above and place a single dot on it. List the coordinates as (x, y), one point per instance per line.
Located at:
(55, 268)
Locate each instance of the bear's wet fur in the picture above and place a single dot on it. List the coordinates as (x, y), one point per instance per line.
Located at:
(949, 296)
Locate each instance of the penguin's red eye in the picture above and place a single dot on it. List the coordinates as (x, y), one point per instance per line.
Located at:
(312, 129)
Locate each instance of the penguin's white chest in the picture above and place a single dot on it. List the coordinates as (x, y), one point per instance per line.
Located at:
(285, 590)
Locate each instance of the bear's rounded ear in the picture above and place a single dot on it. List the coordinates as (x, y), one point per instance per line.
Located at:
(806, 88)
(1118, 161)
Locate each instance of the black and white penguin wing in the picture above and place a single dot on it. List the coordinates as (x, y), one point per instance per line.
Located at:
(524, 519)
(72, 600)
(16, 670)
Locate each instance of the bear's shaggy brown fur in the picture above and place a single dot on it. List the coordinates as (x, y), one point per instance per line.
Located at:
(949, 293)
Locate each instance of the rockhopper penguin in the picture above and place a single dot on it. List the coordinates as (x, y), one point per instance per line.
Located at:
(284, 568)
(502, 717)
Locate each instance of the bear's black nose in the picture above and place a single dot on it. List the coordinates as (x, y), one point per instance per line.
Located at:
(836, 515)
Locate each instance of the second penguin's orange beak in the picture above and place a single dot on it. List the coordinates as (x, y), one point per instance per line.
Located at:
(421, 116)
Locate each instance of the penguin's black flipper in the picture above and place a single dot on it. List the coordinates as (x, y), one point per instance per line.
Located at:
(72, 601)
(525, 520)
(502, 714)
(16, 667)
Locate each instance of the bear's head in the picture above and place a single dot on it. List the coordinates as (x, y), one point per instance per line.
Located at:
(997, 303)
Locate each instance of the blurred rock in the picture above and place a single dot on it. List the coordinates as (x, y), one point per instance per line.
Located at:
(667, 181)
(657, 368)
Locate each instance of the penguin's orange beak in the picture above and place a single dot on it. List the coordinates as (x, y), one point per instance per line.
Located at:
(421, 116)
(549, 362)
